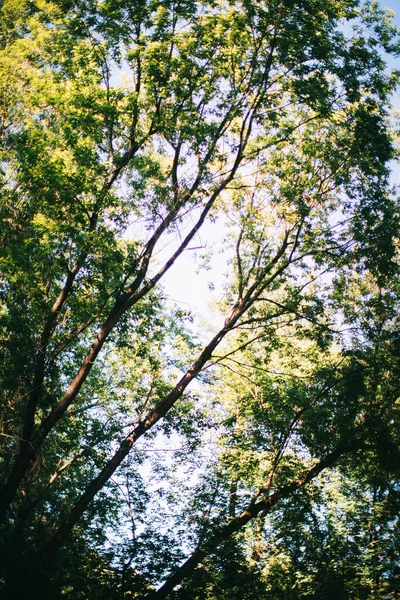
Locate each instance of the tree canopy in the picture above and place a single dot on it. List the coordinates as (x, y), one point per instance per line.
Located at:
(147, 455)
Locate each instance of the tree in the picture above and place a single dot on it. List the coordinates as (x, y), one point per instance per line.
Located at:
(126, 127)
(309, 541)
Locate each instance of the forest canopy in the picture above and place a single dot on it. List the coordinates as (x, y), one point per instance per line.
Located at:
(248, 451)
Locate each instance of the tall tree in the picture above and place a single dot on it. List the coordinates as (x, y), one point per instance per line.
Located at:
(290, 425)
(125, 127)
